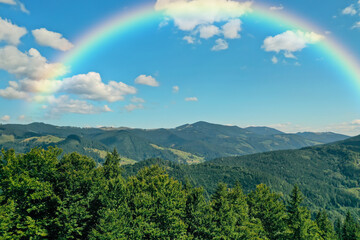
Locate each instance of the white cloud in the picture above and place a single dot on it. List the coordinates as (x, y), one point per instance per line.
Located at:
(29, 64)
(221, 44)
(23, 8)
(5, 118)
(356, 25)
(232, 28)
(22, 118)
(290, 42)
(274, 60)
(11, 33)
(191, 99)
(48, 38)
(147, 80)
(131, 107)
(90, 86)
(175, 89)
(276, 8)
(23, 88)
(11, 2)
(188, 14)
(86, 86)
(62, 105)
(137, 100)
(350, 10)
(189, 39)
(208, 31)
(164, 23)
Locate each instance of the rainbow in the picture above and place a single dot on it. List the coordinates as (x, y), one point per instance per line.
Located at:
(119, 23)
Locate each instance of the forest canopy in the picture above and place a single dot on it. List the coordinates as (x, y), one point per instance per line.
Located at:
(45, 195)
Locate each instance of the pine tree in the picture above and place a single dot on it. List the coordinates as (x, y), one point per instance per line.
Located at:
(196, 215)
(223, 216)
(351, 228)
(325, 226)
(299, 222)
(338, 228)
(267, 207)
(157, 205)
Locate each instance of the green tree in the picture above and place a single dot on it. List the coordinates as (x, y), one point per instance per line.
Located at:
(27, 197)
(351, 228)
(267, 206)
(325, 226)
(245, 227)
(113, 212)
(74, 185)
(157, 205)
(300, 224)
(338, 228)
(223, 216)
(196, 213)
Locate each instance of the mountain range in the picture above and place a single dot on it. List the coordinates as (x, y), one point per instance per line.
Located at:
(328, 175)
(189, 143)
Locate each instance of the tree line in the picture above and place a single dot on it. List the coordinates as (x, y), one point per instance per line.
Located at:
(45, 196)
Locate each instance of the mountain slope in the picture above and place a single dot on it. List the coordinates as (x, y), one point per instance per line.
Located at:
(328, 175)
(189, 143)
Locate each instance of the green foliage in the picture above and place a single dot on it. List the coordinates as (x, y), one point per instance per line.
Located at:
(270, 210)
(46, 195)
(299, 222)
(189, 144)
(350, 228)
(325, 226)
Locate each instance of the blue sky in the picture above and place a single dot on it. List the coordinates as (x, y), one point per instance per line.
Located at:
(164, 75)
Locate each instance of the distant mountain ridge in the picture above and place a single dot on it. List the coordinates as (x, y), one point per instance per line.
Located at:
(189, 143)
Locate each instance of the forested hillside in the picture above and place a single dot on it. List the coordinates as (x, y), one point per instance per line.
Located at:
(45, 196)
(190, 143)
(328, 175)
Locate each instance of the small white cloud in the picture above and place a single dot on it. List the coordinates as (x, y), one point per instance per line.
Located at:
(290, 42)
(48, 38)
(175, 89)
(232, 28)
(11, 33)
(289, 55)
(22, 118)
(131, 107)
(356, 25)
(107, 108)
(189, 39)
(164, 23)
(208, 31)
(191, 99)
(221, 44)
(274, 60)
(147, 80)
(11, 2)
(350, 10)
(276, 8)
(90, 86)
(137, 100)
(5, 118)
(23, 8)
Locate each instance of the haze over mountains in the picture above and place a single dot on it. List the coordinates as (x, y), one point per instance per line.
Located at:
(189, 143)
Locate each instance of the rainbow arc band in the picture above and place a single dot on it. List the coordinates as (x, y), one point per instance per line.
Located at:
(119, 23)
